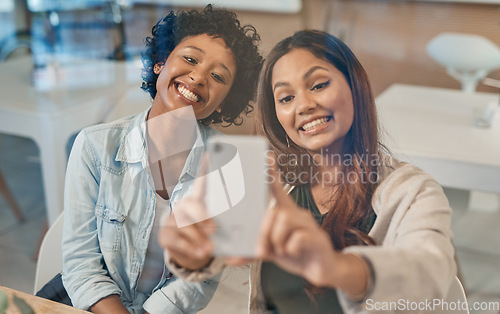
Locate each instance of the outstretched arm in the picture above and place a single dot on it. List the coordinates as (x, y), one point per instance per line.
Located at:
(292, 239)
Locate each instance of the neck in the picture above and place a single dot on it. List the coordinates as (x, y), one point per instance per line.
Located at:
(327, 158)
(330, 163)
(172, 131)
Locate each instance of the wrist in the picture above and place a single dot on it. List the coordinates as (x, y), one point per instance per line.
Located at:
(353, 276)
(201, 264)
(194, 265)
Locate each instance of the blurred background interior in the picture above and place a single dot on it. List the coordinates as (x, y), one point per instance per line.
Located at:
(68, 64)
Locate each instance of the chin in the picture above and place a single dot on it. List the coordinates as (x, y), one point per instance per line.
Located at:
(200, 116)
(315, 149)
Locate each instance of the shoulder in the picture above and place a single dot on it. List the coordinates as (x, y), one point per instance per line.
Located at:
(401, 182)
(104, 140)
(394, 172)
(110, 130)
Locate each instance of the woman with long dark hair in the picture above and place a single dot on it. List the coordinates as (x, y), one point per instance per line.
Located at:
(353, 228)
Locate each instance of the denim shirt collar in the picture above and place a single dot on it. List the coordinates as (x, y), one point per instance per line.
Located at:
(193, 161)
(133, 146)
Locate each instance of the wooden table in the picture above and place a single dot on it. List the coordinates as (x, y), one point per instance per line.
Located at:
(39, 305)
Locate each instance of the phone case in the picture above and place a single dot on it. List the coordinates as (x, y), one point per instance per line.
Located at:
(236, 192)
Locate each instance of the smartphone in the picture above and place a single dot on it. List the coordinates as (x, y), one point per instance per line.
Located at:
(237, 192)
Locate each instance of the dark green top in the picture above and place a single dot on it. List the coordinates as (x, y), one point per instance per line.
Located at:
(284, 292)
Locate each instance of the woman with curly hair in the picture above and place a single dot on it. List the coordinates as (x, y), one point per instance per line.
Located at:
(200, 68)
(354, 230)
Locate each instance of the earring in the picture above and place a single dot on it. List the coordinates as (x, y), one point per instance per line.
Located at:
(294, 163)
(157, 69)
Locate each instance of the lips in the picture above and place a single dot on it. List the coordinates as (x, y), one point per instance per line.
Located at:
(314, 123)
(188, 92)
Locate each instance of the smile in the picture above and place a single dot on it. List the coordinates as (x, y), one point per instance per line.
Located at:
(315, 123)
(186, 93)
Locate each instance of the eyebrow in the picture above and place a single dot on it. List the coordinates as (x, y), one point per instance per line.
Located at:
(196, 48)
(220, 63)
(304, 77)
(312, 70)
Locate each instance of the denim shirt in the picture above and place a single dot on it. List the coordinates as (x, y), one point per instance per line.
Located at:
(109, 203)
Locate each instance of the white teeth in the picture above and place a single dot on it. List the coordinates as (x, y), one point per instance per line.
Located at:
(315, 123)
(187, 93)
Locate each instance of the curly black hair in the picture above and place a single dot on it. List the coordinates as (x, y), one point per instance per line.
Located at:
(242, 40)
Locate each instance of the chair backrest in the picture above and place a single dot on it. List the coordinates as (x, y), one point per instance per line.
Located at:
(455, 301)
(467, 52)
(50, 255)
(467, 57)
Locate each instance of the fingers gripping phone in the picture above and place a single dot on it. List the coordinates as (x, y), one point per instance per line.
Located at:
(236, 192)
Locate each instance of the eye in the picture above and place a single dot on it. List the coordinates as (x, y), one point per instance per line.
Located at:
(286, 99)
(321, 85)
(190, 60)
(219, 78)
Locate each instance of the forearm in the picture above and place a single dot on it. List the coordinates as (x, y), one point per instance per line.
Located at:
(416, 273)
(171, 298)
(109, 304)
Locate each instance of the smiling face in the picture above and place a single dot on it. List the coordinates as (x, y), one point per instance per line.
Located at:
(199, 73)
(313, 101)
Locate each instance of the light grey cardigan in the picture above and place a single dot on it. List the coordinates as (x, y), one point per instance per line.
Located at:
(413, 259)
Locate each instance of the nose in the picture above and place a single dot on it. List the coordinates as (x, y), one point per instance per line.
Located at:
(306, 104)
(198, 77)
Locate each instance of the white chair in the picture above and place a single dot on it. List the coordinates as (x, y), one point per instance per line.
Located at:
(50, 255)
(467, 57)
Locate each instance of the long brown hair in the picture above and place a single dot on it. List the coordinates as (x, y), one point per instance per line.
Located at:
(351, 204)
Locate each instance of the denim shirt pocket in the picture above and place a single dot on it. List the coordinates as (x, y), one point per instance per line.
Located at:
(109, 227)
